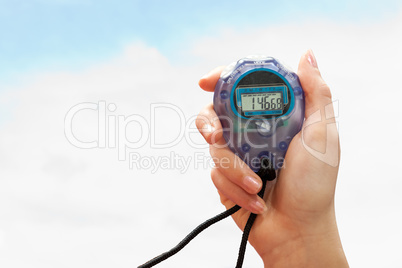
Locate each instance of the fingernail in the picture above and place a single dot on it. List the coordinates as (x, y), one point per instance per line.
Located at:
(252, 184)
(311, 58)
(258, 207)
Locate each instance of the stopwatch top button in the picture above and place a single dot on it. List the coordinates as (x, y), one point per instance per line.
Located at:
(228, 70)
(224, 94)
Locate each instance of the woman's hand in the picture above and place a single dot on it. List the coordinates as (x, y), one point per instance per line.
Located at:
(296, 226)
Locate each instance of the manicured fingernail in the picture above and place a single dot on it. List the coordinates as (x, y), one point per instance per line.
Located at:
(258, 206)
(252, 184)
(311, 58)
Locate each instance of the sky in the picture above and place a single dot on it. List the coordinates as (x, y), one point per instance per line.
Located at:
(39, 35)
(100, 198)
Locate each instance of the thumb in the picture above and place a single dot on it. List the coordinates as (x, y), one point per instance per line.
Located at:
(319, 133)
(317, 92)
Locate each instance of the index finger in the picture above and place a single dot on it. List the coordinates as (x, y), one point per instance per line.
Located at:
(208, 81)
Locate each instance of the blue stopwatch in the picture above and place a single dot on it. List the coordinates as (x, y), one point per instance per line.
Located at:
(260, 104)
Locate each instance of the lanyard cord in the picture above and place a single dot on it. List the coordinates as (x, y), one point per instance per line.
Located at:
(190, 237)
(266, 173)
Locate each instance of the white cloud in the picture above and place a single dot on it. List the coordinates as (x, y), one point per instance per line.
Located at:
(64, 206)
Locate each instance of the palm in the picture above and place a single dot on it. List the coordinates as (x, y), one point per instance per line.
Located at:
(294, 200)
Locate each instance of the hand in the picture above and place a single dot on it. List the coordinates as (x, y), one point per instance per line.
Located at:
(296, 226)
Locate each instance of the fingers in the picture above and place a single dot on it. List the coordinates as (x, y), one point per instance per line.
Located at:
(235, 180)
(208, 124)
(236, 194)
(208, 81)
(231, 176)
(233, 168)
(207, 121)
(317, 92)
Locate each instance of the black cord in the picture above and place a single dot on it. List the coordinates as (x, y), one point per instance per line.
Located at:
(266, 173)
(190, 237)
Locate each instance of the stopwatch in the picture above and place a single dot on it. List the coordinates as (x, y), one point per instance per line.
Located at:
(260, 104)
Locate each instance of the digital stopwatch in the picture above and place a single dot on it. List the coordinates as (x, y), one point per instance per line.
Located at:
(260, 104)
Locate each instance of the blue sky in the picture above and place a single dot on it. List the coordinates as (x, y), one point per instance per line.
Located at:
(57, 34)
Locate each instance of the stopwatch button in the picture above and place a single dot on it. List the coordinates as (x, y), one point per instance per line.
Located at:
(224, 94)
(245, 147)
(297, 91)
(263, 127)
(283, 145)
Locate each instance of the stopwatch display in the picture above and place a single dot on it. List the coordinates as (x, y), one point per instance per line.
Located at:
(261, 103)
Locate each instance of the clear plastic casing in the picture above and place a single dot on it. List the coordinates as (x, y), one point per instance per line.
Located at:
(255, 134)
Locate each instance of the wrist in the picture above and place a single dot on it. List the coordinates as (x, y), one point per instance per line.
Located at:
(319, 245)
